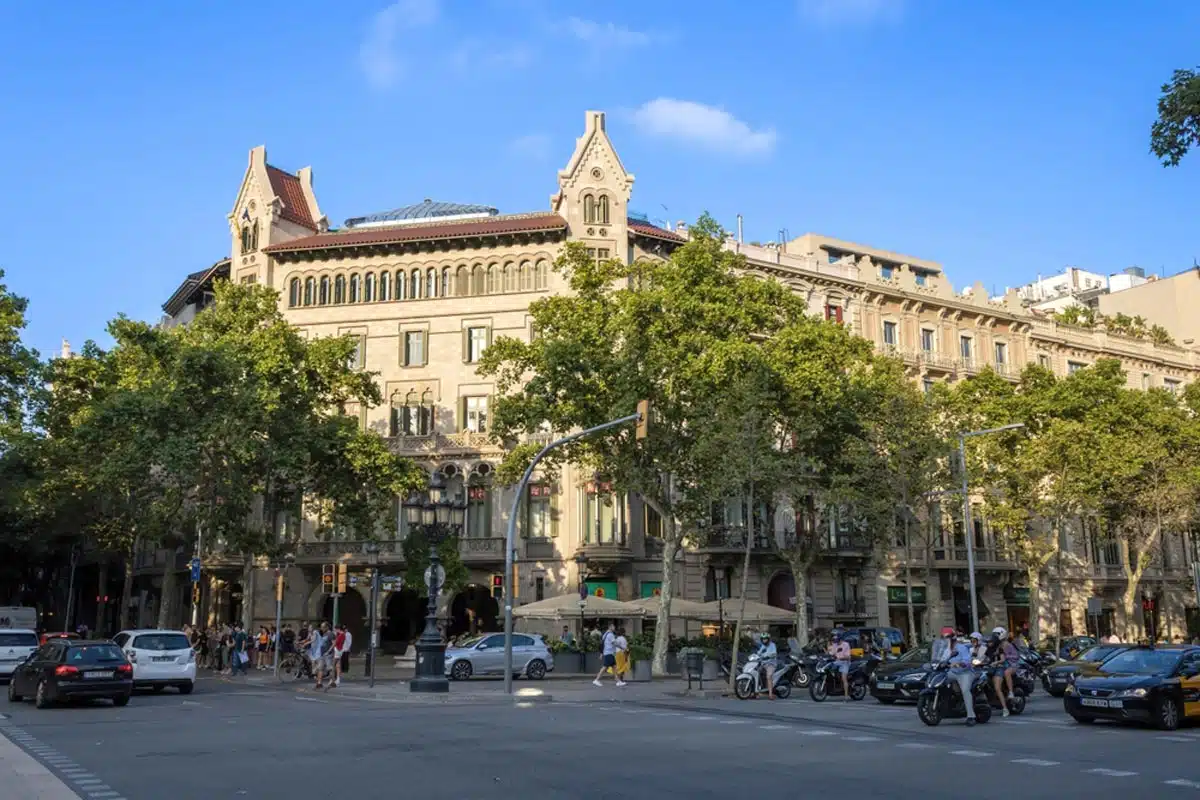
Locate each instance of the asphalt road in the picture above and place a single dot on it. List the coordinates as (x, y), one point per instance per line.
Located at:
(231, 741)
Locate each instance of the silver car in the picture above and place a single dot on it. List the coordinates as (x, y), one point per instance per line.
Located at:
(484, 655)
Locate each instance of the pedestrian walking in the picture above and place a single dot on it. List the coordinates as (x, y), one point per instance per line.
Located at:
(320, 650)
(339, 645)
(239, 657)
(621, 651)
(346, 646)
(608, 653)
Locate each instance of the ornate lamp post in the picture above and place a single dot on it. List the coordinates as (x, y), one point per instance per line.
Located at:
(373, 625)
(437, 518)
(581, 563)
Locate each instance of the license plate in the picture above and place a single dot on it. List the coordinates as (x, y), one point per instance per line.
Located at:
(883, 685)
(96, 675)
(1094, 703)
(163, 658)
(1058, 680)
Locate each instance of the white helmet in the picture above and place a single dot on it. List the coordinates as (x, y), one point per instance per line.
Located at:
(977, 635)
(1000, 632)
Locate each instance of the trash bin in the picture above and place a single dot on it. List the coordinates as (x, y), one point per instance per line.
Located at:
(693, 665)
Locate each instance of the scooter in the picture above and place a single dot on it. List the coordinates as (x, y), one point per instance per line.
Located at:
(942, 698)
(827, 678)
(752, 680)
(1022, 686)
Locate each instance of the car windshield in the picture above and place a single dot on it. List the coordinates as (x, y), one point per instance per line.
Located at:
(10, 639)
(94, 654)
(918, 654)
(1142, 662)
(161, 641)
(1098, 653)
(474, 640)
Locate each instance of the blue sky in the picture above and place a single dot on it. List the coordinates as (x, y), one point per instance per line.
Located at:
(1002, 139)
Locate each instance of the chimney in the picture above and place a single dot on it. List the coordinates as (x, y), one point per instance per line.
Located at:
(739, 228)
(66, 349)
(681, 228)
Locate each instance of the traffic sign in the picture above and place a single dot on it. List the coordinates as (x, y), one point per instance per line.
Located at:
(195, 569)
(1095, 606)
(435, 583)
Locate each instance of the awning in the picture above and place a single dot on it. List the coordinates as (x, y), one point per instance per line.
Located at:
(567, 607)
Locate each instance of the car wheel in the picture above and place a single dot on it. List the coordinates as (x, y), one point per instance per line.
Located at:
(1083, 720)
(535, 670)
(461, 670)
(41, 699)
(1166, 714)
(186, 688)
(13, 697)
(121, 700)
(887, 701)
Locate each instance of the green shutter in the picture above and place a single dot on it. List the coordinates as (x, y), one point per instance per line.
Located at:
(404, 349)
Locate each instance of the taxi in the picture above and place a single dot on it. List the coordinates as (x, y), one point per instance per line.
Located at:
(1159, 686)
(1056, 678)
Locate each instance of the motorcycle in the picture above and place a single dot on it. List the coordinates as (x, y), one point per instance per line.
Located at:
(827, 678)
(752, 679)
(942, 698)
(1022, 686)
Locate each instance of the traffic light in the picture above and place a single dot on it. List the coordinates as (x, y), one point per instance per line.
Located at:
(498, 587)
(341, 578)
(278, 588)
(516, 581)
(327, 579)
(643, 423)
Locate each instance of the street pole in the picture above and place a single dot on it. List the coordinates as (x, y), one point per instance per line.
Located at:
(278, 617)
(373, 642)
(511, 538)
(337, 596)
(195, 598)
(70, 591)
(966, 511)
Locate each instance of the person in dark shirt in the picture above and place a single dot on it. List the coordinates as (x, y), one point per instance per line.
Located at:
(289, 639)
(238, 647)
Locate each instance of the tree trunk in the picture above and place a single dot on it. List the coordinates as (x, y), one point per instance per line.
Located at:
(913, 641)
(1058, 594)
(248, 575)
(737, 628)
(662, 627)
(1033, 576)
(799, 568)
(166, 604)
(127, 588)
(1129, 600)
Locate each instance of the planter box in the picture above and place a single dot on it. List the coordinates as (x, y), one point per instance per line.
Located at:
(641, 671)
(712, 670)
(591, 663)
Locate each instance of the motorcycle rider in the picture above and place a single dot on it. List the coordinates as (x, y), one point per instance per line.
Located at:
(978, 648)
(840, 650)
(1005, 656)
(940, 649)
(963, 674)
(766, 657)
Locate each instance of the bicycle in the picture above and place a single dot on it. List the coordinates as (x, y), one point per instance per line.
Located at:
(295, 666)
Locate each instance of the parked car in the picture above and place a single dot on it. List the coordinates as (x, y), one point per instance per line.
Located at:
(71, 669)
(484, 655)
(1070, 647)
(159, 658)
(16, 645)
(1154, 685)
(1055, 679)
(48, 635)
(902, 679)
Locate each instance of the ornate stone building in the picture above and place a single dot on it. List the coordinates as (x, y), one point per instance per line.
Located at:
(425, 288)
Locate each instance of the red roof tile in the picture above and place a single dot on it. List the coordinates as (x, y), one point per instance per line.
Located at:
(395, 234)
(646, 229)
(286, 187)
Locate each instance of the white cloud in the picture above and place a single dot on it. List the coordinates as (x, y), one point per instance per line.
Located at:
(604, 35)
(851, 12)
(379, 54)
(533, 145)
(706, 126)
(472, 54)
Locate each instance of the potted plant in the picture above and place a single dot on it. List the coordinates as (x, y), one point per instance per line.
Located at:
(639, 658)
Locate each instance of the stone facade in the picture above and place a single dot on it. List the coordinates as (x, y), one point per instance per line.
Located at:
(425, 295)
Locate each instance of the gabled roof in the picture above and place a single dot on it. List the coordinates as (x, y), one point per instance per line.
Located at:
(643, 228)
(286, 187)
(426, 209)
(397, 234)
(196, 282)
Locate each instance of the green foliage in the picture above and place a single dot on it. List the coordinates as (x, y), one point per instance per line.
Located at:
(416, 560)
(1177, 128)
(18, 365)
(1135, 327)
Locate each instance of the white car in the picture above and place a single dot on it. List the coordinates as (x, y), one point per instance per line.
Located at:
(160, 659)
(15, 646)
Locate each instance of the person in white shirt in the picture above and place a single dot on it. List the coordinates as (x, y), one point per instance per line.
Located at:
(608, 652)
(621, 651)
(767, 653)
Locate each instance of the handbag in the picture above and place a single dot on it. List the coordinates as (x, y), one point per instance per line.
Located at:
(242, 658)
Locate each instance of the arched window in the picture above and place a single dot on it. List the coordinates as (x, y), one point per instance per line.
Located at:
(493, 272)
(477, 279)
(369, 287)
(310, 289)
(602, 210)
(526, 273)
(385, 286)
(445, 292)
(245, 239)
(542, 275)
(461, 287)
(431, 282)
(323, 297)
(254, 236)
(415, 284)
(339, 289)
(294, 293)
(506, 278)
(401, 285)
(355, 289)
(589, 209)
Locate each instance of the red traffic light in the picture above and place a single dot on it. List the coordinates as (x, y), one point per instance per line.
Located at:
(497, 581)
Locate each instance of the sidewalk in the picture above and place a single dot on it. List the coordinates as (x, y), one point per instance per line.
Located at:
(24, 778)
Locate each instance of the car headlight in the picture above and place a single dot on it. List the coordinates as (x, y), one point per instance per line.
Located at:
(1132, 693)
(937, 680)
(1070, 689)
(917, 676)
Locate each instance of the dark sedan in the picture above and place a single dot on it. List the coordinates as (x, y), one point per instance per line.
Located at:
(901, 679)
(72, 669)
(1056, 678)
(1155, 685)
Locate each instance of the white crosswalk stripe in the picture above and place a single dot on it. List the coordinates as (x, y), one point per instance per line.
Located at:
(971, 753)
(1184, 782)
(1110, 773)
(1036, 762)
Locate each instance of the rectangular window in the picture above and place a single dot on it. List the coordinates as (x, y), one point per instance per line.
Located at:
(539, 588)
(479, 512)
(1075, 366)
(1001, 353)
(476, 343)
(927, 385)
(600, 517)
(475, 416)
(1044, 360)
(887, 272)
(889, 334)
(358, 356)
(1171, 385)
(414, 348)
(920, 277)
(539, 511)
(833, 313)
(249, 280)
(412, 420)
(602, 253)
(964, 347)
(926, 340)
(1145, 380)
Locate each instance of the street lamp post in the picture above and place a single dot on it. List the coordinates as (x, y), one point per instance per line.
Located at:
(966, 512)
(373, 632)
(581, 564)
(280, 580)
(437, 518)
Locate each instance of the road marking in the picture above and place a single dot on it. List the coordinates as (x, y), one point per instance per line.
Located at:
(915, 746)
(109, 793)
(667, 714)
(87, 782)
(815, 733)
(734, 722)
(304, 699)
(1015, 721)
(1184, 782)
(700, 718)
(1174, 738)
(1036, 762)
(774, 727)
(971, 753)
(1111, 773)
(862, 738)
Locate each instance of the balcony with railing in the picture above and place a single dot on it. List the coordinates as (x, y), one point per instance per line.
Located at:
(481, 550)
(732, 539)
(850, 606)
(349, 549)
(988, 557)
(459, 443)
(936, 361)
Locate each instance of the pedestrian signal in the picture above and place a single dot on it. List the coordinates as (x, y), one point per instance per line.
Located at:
(327, 579)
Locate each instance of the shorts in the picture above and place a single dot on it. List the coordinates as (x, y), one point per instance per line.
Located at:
(610, 660)
(843, 667)
(323, 664)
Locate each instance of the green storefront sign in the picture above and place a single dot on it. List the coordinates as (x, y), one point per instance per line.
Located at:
(897, 595)
(1017, 596)
(651, 588)
(607, 589)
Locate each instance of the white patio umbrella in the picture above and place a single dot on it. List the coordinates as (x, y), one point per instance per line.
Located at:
(680, 608)
(756, 613)
(566, 606)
